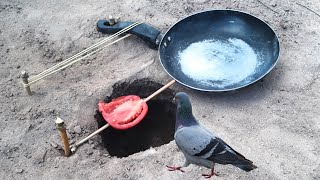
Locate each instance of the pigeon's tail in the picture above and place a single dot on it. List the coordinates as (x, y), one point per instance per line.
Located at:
(245, 165)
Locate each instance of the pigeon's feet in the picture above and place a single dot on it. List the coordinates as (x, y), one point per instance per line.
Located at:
(172, 168)
(210, 175)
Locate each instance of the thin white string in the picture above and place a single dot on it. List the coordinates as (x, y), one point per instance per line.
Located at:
(74, 58)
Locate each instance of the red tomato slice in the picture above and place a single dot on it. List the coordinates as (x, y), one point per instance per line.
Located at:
(124, 112)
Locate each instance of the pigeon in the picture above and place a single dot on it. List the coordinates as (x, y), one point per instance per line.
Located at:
(199, 145)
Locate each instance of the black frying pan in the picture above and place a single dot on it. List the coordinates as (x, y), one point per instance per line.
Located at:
(217, 50)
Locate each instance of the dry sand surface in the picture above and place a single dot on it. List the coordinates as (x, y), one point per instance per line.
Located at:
(275, 122)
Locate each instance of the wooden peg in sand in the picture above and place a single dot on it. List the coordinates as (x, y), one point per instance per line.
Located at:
(24, 77)
(63, 133)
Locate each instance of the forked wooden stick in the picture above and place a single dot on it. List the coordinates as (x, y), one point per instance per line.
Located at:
(76, 145)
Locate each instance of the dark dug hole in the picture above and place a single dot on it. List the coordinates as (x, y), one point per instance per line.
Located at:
(156, 129)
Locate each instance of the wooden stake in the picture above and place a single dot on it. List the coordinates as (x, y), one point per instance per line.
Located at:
(24, 77)
(63, 134)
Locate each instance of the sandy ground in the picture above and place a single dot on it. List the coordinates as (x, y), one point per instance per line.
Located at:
(274, 123)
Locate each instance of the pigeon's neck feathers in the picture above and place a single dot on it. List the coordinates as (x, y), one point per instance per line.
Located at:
(184, 114)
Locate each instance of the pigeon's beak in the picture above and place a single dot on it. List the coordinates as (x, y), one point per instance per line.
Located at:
(174, 100)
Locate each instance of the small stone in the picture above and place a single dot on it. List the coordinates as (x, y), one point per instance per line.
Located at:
(54, 145)
(70, 135)
(28, 156)
(97, 153)
(59, 59)
(89, 74)
(19, 171)
(72, 141)
(283, 26)
(89, 152)
(52, 111)
(39, 156)
(93, 146)
(77, 129)
(18, 66)
(106, 155)
(274, 4)
(102, 162)
(90, 94)
(56, 165)
(13, 108)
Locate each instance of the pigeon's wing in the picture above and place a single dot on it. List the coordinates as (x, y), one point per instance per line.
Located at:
(224, 154)
(199, 142)
(195, 141)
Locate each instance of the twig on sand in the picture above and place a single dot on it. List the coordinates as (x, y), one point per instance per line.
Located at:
(267, 7)
(309, 9)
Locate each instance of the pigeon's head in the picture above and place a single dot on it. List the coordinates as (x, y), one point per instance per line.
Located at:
(182, 100)
(181, 97)
(184, 109)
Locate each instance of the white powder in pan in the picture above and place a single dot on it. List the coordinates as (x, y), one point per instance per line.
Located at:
(228, 62)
